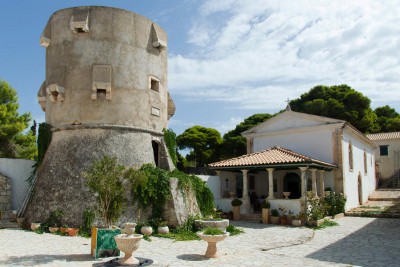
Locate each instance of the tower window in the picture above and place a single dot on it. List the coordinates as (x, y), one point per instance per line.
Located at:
(154, 84)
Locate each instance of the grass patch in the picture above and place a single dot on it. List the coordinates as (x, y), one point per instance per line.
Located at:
(325, 224)
(370, 207)
(179, 236)
(234, 230)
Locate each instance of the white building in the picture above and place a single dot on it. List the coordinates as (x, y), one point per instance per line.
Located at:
(297, 152)
(387, 156)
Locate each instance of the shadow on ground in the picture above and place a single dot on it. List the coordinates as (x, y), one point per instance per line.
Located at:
(33, 260)
(381, 238)
(192, 257)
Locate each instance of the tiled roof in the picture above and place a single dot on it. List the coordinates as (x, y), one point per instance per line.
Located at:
(272, 156)
(384, 136)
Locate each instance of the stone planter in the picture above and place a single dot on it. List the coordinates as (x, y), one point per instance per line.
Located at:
(296, 222)
(265, 216)
(236, 213)
(275, 219)
(35, 226)
(212, 223)
(163, 230)
(212, 240)
(129, 228)
(20, 221)
(128, 244)
(53, 229)
(146, 230)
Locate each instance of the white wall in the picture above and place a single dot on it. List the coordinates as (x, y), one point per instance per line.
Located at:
(316, 143)
(386, 163)
(350, 177)
(19, 171)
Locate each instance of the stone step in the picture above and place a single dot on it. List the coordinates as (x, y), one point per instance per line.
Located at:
(8, 224)
(252, 217)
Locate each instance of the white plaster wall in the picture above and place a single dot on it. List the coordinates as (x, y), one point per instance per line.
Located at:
(350, 177)
(386, 163)
(316, 143)
(19, 171)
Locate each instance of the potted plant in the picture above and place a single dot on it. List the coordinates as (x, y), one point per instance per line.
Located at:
(72, 231)
(212, 236)
(290, 217)
(274, 216)
(55, 220)
(236, 203)
(163, 227)
(64, 229)
(104, 179)
(35, 226)
(283, 218)
(265, 206)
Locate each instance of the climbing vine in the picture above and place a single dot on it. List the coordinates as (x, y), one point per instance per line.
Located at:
(44, 139)
(170, 142)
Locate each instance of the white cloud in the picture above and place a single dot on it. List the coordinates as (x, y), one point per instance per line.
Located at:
(252, 54)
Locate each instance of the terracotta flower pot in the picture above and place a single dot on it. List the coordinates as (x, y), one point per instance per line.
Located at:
(275, 219)
(53, 229)
(63, 230)
(35, 226)
(283, 220)
(73, 231)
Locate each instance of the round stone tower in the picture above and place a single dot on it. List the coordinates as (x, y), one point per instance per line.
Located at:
(105, 93)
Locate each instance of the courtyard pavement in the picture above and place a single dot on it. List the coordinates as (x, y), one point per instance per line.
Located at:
(355, 242)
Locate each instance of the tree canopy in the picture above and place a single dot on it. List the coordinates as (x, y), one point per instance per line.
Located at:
(234, 144)
(388, 119)
(13, 142)
(203, 143)
(339, 102)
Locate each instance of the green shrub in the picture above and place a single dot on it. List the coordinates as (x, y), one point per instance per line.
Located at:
(236, 202)
(265, 204)
(334, 203)
(234, 230)
(274, 213)
(213, 231)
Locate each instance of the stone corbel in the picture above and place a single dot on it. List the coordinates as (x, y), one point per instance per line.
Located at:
(55, 92)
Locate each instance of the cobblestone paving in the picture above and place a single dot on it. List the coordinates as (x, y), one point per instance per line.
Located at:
(355, 242)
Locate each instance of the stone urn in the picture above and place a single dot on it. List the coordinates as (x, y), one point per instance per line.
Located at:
(163, 230)
(146, 230)
(296, 222)
(128, 244)
(212, 223)
(35, 226)
(286, 195)
(212, 240)
(129, 228)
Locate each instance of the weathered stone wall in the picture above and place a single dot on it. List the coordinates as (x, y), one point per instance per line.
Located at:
(5, 197)
(181, 205)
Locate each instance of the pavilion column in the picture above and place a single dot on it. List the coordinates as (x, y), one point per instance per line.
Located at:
(270, 183)
(245, 193)
(303, 181)
(321, 183)
(314, 181)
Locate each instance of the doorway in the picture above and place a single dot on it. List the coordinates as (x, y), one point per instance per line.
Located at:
(292, 184)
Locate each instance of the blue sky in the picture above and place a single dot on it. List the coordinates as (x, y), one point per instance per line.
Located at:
(229, 59)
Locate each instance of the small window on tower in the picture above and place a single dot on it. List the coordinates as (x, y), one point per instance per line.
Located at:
(154, 84)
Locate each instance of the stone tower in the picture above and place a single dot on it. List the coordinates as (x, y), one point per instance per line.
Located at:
(105, 93)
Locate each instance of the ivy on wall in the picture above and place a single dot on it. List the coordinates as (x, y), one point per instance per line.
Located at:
(170, 142)
(150, 188)
(44, 140)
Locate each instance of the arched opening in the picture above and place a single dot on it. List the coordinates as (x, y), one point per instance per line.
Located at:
(156, 151)
(292, 184)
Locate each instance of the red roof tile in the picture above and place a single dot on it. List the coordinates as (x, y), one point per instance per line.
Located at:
(384, 136)
(272, 156)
